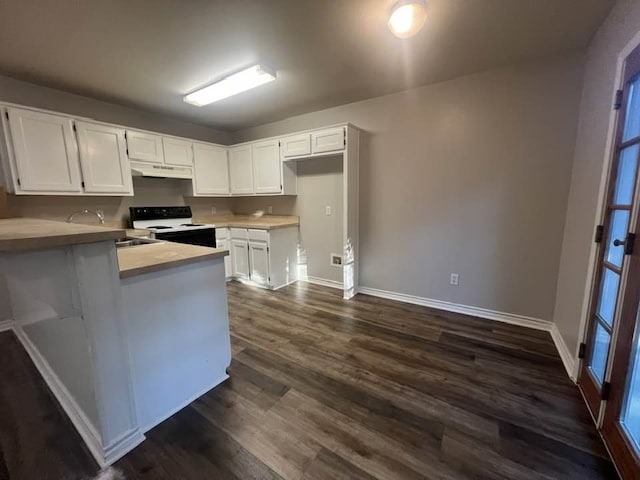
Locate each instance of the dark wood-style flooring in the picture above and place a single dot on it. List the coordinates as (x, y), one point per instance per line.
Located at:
(322, 388)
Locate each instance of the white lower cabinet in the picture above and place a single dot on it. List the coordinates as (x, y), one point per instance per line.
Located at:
(222, 241)
(259, 263)
(240, 258)
(266, 258)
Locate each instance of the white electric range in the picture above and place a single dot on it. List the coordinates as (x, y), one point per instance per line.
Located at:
(173, 224)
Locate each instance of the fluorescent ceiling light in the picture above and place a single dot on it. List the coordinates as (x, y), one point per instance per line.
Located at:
(407, 17)
(239, 82)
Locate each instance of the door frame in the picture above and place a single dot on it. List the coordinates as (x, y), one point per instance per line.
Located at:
(609, 157)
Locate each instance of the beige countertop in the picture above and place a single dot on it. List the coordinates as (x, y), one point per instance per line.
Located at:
(160, 256)
(18, 234)
(266, 222)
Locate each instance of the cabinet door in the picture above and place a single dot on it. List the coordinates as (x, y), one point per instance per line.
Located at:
(145, 147)
(46, 152)
(240, 258)
(331, 140)
(267, 168)
(296, 145)
(241, 170)
(210, 170)
(259, 262)
(228, 268)
(177, 152)
(103, 158)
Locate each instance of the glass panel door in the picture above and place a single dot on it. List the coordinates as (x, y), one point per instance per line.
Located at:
(615, 240)
(613, 359)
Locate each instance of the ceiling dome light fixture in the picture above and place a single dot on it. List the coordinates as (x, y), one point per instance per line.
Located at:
(407, 17)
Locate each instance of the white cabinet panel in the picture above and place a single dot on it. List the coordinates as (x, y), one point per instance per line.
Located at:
(296, 145)
(210, 170)
(259, 262)
(225, 243)
(240, 258)
(145, 147)
(103, 157)
(177, 152)
(267, 168)
(331, 140)
(241, 170)
(45, 150)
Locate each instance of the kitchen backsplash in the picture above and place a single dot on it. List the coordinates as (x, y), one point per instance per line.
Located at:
(148, 192)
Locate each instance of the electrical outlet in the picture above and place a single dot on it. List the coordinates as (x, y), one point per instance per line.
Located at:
(214, 210)
(455, 279)
(327, 210)
(269, 209)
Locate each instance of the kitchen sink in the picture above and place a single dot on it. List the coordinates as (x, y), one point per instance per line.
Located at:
(135, 241)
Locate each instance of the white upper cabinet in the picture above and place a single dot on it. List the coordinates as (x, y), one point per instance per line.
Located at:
(267, 168)
(177, 152)
(330, 140)
(241, 170)
(103, 158)
(145, 147)
(45, 152)
(210, 170)
(296, 145)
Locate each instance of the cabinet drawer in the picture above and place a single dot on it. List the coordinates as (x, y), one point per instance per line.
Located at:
(239, 233)
(331, 140)
(296, 145)
(258, 235)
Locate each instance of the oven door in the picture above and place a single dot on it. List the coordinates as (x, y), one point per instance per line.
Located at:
(205, 237)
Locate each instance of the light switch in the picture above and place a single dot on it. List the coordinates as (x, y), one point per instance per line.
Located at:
(327, 210)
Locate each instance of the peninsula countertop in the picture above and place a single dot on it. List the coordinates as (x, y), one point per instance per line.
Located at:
(266, 222)
(18, 234)
(154, 257)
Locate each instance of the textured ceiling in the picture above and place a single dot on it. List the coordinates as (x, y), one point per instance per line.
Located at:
(148, 54)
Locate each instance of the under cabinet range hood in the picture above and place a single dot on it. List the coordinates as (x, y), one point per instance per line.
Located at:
(142, 169)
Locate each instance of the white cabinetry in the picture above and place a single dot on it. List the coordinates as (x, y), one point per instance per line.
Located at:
(222, 241)
(45, 153)
(330, 140)
(210, 170)
(267, 170)
(241, 170)
(177, 152)
(296, 145)
(240, 258)
(145, 147)
(266, 258)
(103, 158)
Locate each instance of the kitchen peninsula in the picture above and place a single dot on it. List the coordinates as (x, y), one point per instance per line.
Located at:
(124, 338)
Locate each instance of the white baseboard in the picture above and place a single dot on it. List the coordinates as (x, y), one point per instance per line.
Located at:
(123, 445)
(192, 399)
(324, 282)
(6, 325)
(79, 420)
(567, 357)
(511, 318)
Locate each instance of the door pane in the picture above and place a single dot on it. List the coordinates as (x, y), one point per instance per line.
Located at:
(600, 352)
(632, 123)
(608, 296)
(631, 411)
(626, 175)
(618, 230)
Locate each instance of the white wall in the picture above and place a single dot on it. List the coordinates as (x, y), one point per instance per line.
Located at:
(589, 160)
(469, 176)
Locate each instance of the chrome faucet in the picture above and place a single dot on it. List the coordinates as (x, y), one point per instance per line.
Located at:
(84, 212)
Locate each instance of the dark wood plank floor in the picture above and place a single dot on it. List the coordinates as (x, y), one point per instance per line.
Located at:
(321, 388)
